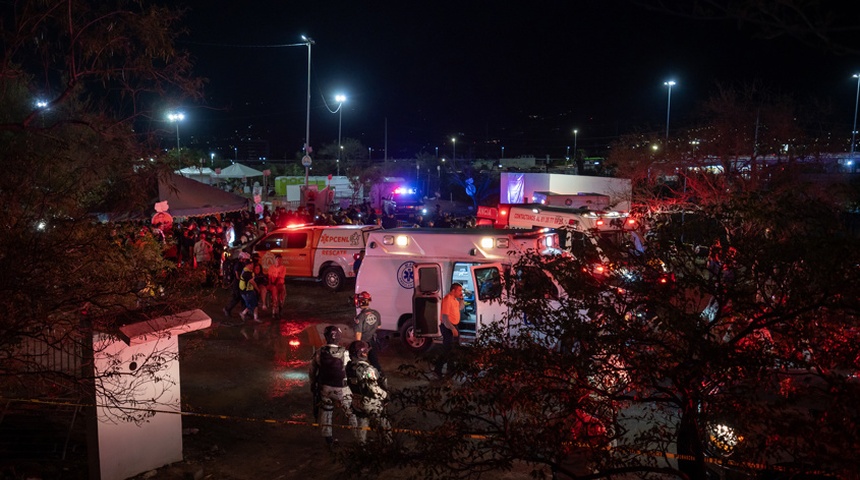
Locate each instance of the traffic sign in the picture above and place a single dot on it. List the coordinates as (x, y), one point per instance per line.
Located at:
(306, 161)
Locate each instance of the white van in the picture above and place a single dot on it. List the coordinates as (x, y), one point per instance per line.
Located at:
(407, 271)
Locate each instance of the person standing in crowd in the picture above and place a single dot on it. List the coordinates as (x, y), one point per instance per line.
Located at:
(388, 221)
(248, 290)
(328, 383)
(452, 304)
(187, 244)
(235, 272)
(368, 392)
(202, 252)
(261, 282)
(366, 323)
(276, 286)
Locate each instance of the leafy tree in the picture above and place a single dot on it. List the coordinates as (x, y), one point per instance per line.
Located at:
(100, 67)
(742, 361)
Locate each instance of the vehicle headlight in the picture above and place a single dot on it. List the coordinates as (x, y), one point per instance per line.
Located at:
(724, 438)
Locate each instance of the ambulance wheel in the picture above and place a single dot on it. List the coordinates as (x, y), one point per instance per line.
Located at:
(410, 341)
(333, 278)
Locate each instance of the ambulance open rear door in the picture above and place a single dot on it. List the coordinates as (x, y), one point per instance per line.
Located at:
(490, 307)
(427, 299)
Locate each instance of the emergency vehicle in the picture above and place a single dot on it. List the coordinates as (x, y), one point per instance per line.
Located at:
(314, 252)
(572, 223)
(407, 271)
(404, 202)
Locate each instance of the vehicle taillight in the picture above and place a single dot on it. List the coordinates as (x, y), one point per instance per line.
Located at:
(599, 222)
(295, 343)
(503, 212)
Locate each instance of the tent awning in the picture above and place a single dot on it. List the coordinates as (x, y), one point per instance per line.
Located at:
(237, 170)
(189, 198)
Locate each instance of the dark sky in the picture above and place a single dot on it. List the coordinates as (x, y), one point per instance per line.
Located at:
(522, 73)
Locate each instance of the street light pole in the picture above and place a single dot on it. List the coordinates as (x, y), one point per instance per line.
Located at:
(670, 84)
(309, 41)
(340, 99)
(854, 130)
(454, 144)
(176, 118)
(575, 131)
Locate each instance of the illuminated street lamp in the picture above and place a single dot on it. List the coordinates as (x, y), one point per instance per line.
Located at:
(670, 84)
(575, 131)
(176, 118)
(854, 130)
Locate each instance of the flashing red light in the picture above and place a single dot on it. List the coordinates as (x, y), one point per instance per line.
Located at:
(599, 269)
(631, 221)
(503, 212)
(295, 343)
(664, 280)
(599, 222)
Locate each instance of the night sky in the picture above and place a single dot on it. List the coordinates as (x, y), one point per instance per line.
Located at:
(519, 74)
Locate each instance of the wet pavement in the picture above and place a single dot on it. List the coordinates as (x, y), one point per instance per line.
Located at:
(245, 390)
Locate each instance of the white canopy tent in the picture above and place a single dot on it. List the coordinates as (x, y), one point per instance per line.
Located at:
(202, 175)
(237, 170)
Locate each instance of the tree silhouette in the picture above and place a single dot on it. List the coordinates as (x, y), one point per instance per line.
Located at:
(100, 70)
(735, 363)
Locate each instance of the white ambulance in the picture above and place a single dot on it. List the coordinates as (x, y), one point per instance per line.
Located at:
(407, 271)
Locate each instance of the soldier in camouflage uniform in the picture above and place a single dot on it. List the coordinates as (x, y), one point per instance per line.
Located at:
(369, 397)
(328, 382)
(366, 323)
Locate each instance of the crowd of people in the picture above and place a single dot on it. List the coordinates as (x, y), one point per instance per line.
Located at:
(206, 242)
